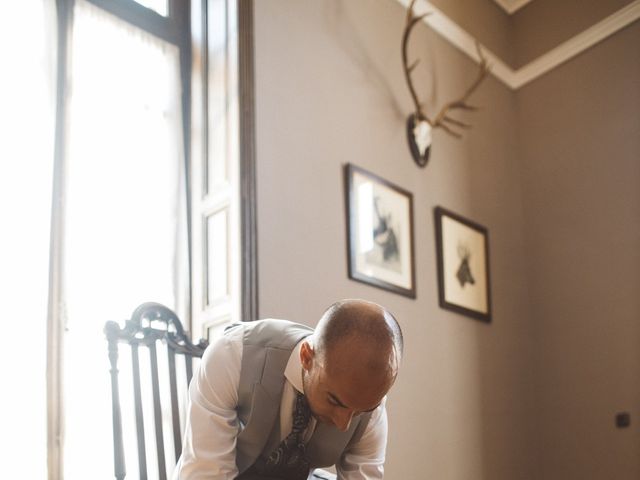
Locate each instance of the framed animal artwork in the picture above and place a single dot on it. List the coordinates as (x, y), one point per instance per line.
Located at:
(463, 265)
(380, 232)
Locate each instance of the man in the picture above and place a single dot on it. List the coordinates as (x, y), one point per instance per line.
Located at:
(274, 400)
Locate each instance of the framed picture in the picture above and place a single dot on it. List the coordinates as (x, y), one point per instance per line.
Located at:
(380, 232)
(463, 265)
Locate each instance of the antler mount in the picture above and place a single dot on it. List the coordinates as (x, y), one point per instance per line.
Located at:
(419, 125)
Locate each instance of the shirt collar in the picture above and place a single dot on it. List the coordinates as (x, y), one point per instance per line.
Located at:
(293, 371)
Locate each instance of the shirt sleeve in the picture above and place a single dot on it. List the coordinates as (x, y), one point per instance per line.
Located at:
(364, 459)
(212, 425)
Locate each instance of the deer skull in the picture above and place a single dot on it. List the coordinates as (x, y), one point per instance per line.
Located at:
(419, 134)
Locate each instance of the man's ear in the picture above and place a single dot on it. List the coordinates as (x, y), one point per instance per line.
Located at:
(306, 355)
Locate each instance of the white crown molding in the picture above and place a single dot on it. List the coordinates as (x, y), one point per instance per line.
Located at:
(515, 79)
(512, 6)
(578, 44)
(460, 39)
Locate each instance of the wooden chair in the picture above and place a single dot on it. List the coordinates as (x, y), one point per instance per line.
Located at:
(150, 323)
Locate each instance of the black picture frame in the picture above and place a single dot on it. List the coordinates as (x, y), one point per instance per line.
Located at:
(380, 244)
(462, 251)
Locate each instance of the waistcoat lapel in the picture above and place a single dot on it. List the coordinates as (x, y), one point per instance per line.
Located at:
(260, 418)
(264, 413)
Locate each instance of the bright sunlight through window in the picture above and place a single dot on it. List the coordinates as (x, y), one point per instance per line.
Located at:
(27, 97)
(125, 239)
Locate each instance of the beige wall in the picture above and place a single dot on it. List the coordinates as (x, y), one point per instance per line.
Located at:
(544, 24)
(484, 20)
(473, 401)
(580, 152)
(330, 90)
(531, 31)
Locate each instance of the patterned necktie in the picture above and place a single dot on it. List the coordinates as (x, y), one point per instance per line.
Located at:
(289, 460)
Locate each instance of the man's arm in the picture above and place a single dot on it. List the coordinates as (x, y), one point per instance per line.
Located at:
(364, 459)
(209, 446)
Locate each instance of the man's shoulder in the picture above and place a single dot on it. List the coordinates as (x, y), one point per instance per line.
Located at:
(273, 332)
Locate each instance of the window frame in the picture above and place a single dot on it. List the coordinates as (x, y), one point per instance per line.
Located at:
(237, 195)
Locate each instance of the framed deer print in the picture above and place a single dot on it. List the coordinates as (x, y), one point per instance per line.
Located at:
(463, 265)
(380, 232)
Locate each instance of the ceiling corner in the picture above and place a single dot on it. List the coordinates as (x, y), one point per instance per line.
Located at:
(512, 6)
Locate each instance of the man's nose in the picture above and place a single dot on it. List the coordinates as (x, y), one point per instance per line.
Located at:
(343, 419)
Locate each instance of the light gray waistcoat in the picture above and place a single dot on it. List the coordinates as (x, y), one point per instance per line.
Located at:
(267, 346)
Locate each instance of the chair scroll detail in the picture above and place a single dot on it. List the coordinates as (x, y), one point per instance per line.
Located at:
(149, 323)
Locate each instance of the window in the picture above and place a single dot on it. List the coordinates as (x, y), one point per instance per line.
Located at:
(120, 208)
(125, 216)
(27, 96)
(105, 178)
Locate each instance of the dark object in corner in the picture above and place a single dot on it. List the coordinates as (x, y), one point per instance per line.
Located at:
(623, 420)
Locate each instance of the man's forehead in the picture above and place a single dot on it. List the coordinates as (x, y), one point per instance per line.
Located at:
(358, 354)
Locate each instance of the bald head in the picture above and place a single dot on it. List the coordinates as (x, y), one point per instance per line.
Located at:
(359, 323)
(351, 362)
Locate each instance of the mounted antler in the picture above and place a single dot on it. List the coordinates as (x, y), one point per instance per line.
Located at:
(419, 125)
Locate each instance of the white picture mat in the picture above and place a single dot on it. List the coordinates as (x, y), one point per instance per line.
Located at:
(398, 207)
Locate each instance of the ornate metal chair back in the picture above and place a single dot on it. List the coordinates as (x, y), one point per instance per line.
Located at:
(150, 324)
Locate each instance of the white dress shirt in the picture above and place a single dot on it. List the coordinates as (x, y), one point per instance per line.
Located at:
(209, 446)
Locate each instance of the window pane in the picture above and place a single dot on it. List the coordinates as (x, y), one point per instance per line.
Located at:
(218, 155)
(217, 257)
(27, 99)
(159, 6)
(124, 204)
